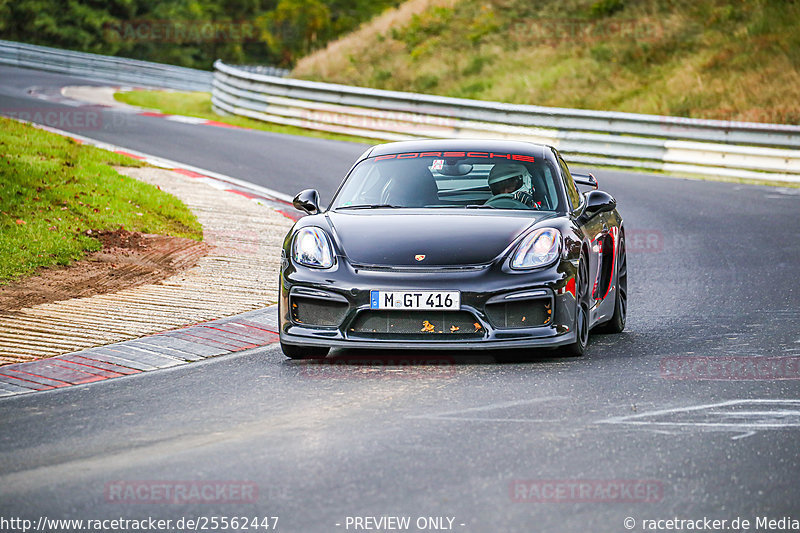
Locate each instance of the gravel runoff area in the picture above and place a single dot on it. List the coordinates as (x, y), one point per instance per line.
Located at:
(239, 274)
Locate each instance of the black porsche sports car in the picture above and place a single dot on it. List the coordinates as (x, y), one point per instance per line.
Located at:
(456, 244)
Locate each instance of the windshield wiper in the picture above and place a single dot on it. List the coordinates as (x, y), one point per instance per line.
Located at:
(371, 206)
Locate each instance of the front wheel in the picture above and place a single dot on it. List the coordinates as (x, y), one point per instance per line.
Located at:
(578, 347)
(294, 351)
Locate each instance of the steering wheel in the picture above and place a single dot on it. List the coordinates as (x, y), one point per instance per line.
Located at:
(505, 201)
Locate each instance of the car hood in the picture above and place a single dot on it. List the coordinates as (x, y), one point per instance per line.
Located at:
(445, 239)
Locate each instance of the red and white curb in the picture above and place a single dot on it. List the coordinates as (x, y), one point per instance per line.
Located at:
(172, 348)
(63, 96)
(189, 120)
(253, 329)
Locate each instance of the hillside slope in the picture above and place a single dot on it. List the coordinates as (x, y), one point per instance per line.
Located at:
(731, 60)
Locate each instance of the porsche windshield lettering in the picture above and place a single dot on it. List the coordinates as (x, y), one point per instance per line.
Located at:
(481, 155)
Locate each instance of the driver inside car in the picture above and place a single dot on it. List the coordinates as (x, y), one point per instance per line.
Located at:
(507, 182)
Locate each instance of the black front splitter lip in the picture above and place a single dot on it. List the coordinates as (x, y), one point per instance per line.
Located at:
(546, 342)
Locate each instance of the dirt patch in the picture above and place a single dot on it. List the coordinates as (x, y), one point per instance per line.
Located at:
(128, 259)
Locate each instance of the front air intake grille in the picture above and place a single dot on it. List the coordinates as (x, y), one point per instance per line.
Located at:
(416, 325)
(520, 314)
(317, 312)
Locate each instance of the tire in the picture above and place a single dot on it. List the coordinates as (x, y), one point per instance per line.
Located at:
(578, 347)
(617, 321)
(294, 351)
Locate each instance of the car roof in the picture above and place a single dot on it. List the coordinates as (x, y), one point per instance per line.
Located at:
(459, 145)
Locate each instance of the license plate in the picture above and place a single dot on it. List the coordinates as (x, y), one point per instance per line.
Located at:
(415, 300)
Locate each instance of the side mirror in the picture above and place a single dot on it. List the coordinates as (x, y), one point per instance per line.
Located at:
(597, 202)
(308, 201)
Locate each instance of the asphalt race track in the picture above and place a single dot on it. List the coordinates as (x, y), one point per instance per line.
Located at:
(629, 431)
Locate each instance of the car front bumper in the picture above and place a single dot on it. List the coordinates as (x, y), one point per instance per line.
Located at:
(331, 308)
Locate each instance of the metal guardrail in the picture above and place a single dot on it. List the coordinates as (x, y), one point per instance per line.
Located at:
(265, 70)
(672, 144)
(107, 68)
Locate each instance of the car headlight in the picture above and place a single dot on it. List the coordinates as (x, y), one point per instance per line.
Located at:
(539, 248)
(312, 248)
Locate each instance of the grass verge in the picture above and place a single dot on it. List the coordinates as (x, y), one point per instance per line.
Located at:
(714, 59)
(54, 192)
(198, 104)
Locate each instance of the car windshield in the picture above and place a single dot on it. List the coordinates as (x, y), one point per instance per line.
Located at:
(450, 180)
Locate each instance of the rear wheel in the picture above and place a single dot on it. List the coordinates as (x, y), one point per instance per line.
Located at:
(578, 347)
(617, 322)
(294, 351)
